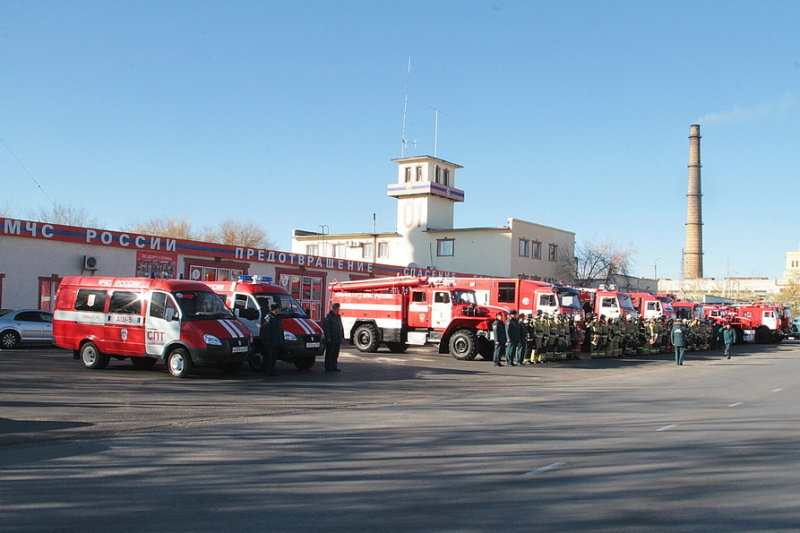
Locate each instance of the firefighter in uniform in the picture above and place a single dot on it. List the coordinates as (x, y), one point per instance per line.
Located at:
(538, 337)
(553, 337)
(596, 334)
(529, 340)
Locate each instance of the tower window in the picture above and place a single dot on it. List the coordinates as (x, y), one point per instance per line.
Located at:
(445, 247)
(407, 174)
(419, 173)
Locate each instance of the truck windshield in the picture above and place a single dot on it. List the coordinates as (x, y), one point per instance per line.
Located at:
(569, 300)
(201, 305)
(625, 302)
(289, 307)
(464, 297)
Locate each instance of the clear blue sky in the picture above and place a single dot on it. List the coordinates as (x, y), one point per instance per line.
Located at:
(572, 114)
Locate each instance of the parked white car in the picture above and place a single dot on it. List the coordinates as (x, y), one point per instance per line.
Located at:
(25, 326)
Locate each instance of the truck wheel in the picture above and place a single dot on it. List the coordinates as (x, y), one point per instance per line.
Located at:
(763, 335)
(366, 338)
(739, 336)
(397, 347)
(304, 363)
(179, 363)
(463, 346)
(9, 339)
(93, 358)
(486, 348)
(256, 362)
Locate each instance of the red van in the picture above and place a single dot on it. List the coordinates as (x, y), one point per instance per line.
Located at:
(182, 323)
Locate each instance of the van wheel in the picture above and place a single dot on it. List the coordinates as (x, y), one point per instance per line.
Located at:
(304, 363)
(179, 363)
(366, 338)
(143, 362)
(93, 358)
(257, 362)
(463, 346)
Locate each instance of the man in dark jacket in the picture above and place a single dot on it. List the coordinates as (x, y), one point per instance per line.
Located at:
(499, 334)
(334, 335)
(680, 339)
(271, 339)
(512, 337)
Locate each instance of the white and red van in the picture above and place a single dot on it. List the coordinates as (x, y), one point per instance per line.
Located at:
(180, 322)
(250, 298)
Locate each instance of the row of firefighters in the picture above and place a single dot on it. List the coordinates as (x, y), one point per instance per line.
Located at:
(557, 338)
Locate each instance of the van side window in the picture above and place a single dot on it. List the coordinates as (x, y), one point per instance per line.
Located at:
(125, 302)
(90, 300)
(159, 303)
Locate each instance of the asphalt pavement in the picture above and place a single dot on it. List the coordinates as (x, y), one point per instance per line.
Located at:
(416, 441)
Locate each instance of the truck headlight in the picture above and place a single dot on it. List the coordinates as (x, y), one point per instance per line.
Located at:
(211, 340)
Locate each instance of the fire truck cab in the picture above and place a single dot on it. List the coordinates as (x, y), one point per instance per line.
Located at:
(526, 295)
(608, 302)
(408, 310)
(250, 298)
(650, 305)
(180, 322)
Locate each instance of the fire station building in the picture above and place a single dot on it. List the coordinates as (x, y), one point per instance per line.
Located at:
(426, 240)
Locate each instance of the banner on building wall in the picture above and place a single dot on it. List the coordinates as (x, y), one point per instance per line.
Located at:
(156, 265)
(170, 246)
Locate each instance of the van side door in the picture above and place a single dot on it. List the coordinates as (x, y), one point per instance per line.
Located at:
(162, 324)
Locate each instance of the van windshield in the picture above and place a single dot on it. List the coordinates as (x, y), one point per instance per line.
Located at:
(201, 305)
(289, 307)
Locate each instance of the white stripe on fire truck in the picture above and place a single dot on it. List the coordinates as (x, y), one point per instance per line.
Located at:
(372, 307)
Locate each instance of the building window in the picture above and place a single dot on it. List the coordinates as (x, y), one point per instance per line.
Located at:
(445, 247)
(536, 250)
(523, 247)
(338, 250)
(552, 253)
(446, 180)
(437, 174)
(307, 290)
(312, 249)
(366, 250)
(407, 176)
(419, 174)
(383, 249)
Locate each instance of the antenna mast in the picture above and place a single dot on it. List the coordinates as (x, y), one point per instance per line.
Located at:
(403, 141)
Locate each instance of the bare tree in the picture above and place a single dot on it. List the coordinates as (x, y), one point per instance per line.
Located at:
(235, 233)
(230, 232)
(600, 260)
(176, 228)
(63, 214)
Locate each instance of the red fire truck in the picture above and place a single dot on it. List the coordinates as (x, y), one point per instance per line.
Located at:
(180, 322)
(408, 310)
(526, 295)
(760, 323)
(650, 305)
(608, 302)
(686, 310)
(250, 297)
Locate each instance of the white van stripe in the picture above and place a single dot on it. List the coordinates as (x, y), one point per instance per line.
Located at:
(230, 328)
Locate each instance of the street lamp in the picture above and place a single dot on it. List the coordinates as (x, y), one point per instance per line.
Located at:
(655, 267)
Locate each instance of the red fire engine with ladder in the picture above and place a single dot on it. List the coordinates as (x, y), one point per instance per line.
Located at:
(409, 310)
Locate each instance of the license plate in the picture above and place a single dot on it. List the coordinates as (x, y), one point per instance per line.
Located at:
(312, 345)
(239, 349)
